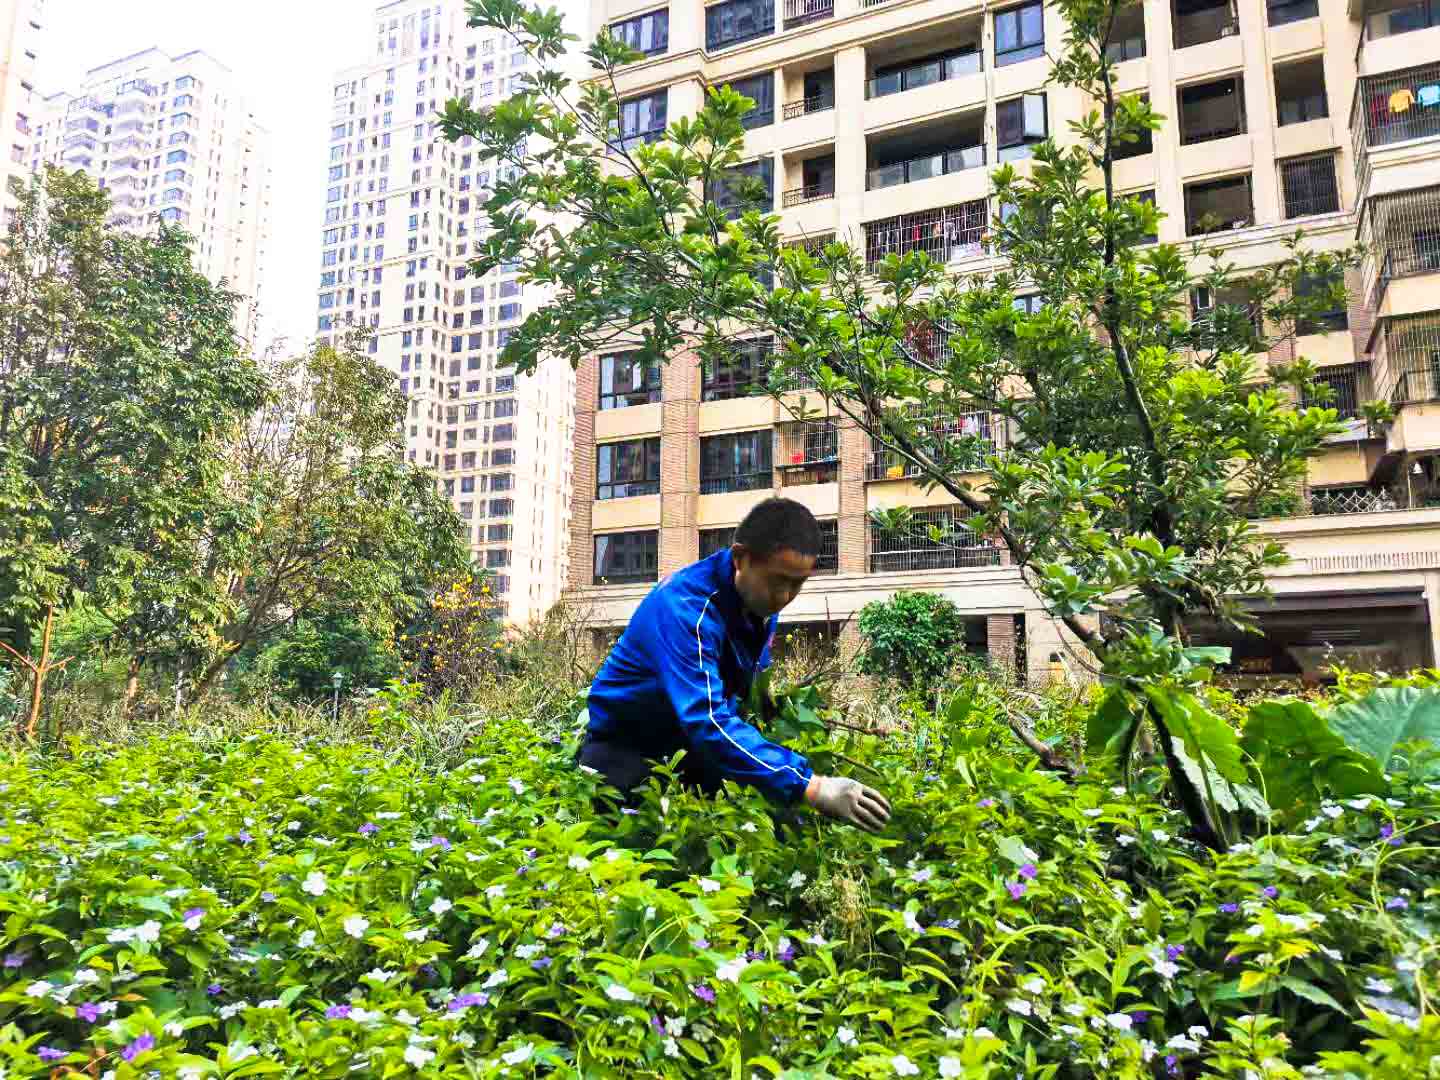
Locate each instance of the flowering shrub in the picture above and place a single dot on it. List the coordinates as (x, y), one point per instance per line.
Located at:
(184, 908)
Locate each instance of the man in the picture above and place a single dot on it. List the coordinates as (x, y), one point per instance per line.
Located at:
(691, 650)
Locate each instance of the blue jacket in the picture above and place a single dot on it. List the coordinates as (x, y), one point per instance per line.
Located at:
(672, 680)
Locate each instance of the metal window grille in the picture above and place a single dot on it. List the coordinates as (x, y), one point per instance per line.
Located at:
(1386, 110)
(914, 548)
(1411, 348)
(627, 469)
(814, 246)
(1197, 23)
(1309, 185)
(828, 561)
(950, 232)
(713, 540)
(627, 558)
(1344, 383)
(1218, 205)
(800, 12)
(807, 452)
(737, 374)
(1353, 500)
(737, 462)
(962, 443)
(1403, 233)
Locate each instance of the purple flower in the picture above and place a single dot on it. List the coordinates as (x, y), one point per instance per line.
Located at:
(89, 1012)
(193, 913)
(138, 1047)
(948, 924)
(440, 842)
(540, 963)
(702, 943)
(658, 1025)
(786, 954)
(531, 852)
(1140, 1016)
(214, 990)
(369, 829)
(1396, 903)
(1174, 952)
(428, 970)
(465, 1001)
(268, 897)
(931, 777)
(1386, 831)
(704, 993)
(986, 803)
(521, 871)
(244, 836)
(1017, 889)
(1229, 909)
(337, 1012)
(1172, 1064)
(753, 956)
(16, 959)
(628, 811)
(556, 930)
(1029, 871)
(1270, 892)
(49, 1053)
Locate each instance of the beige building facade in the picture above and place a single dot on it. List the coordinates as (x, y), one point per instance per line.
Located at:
(879, 121)
(20, 28)
(403, 215)
(172, 140)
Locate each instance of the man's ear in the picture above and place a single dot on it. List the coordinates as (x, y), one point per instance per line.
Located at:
(741, 555)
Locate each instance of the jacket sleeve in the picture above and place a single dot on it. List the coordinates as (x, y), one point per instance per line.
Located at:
(690, 675)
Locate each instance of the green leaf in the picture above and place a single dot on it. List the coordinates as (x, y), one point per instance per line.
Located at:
(1310, 992)
(1112, 722)
(1384, 718)
(1012, 848)
(291, 993)
(1206, 736)
(1300, 759)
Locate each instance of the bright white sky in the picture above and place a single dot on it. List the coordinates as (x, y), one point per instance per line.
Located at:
(284, 54)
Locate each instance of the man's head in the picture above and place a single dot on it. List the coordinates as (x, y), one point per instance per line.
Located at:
(775, 550)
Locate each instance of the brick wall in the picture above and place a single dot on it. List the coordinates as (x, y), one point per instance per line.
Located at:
(679, 462)
(582, 547)
(851, 527)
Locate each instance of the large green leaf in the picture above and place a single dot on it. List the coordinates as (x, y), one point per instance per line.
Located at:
(1300, 758)
(1207, 737)
(1384, 718)
(1110, 725)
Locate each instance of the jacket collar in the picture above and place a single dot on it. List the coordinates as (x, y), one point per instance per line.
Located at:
(727, 597)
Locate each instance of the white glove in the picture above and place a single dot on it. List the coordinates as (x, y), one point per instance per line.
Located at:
(849, 801)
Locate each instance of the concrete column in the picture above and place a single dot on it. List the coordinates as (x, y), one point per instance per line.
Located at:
(850, 138)
(1260, 114)
(852, 527)
(679, 462)
(687, 26)
(582, 546)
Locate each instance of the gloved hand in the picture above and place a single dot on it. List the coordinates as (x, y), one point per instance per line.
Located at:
(849, 801)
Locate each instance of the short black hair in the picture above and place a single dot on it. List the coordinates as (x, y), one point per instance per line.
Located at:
(779, 523)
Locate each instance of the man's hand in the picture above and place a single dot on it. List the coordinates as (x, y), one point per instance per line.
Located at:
(848, 800)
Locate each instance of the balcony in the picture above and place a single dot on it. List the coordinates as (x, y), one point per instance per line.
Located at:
(1402, 235)
(807, 452)
(930, 539)
(737, 462)
(1284, 12)
(1386, 18)
(811, 192)
(1218, 205)
(822, 100)
(922, 153)
(1394, 108)
(925, 167)
(960, 443)
(1307, 186)
(898, 78)
(1201, 21)
(800, 12)
(951, 232)
(1212, 110)
(1409, 357)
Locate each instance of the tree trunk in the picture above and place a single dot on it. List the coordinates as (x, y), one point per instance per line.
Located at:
(37, 682)
(132, 684)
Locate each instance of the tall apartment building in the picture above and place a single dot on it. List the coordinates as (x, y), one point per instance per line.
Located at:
(172, 140)
(403, 214)
(20, 22)
(880, 121)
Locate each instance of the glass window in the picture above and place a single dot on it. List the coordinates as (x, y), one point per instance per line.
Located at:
(713, 540)
(761, 90)
(648, 34)
(176, 155)
(738, 20)
(1019, 34)
(738, 373)
(737, 191)
(737, 462)
(627, 558)
(1019, 124)
(643, 119)
(626, 379)
(624, 470)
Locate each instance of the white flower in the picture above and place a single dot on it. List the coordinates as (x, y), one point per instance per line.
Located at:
(292, 826)
(88, 976)
(817, 941)
(387, 815)
(1147, 1049)
(1093, 812)
(903, 1066)
(495, 891)
(1120, 1021)
(749, 826)
(241, 1053)
(148, 932)
(314, 883)
(1074, 1008)
(174, 1030)
(953, 1033)
(227, 1011)
(525, 952)
(797, 879)
(38, 990)
(949, 1066)
(1378, 986)
(194, 921)
(672, 1048)
(730, 970)
(356, 925)
(496, 979)
(404, 1017)
(912, 924)
(380, 975)
(579, 862)
(1255, 930)
(616, 992)
(706, 885)
(519, 789)
(1332, 811)
(1197, 1031)
(418, 1056)
(520, 1053)
(1033, 986)
(1183, 1042)
(984, 1033)
(1124, 839)
(675, 1025)
(440, 905)
(477, 950)
(1160, 834)
(1021, 1006)
(269, 1003)
(306, 939)
(417, 935)
(360, 1015)
(923, 875)
(1117, 790)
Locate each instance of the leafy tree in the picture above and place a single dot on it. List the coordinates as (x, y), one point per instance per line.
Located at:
(913, 636)
(325, 515)
(1140, 435)
(301, 660)
(121, 377)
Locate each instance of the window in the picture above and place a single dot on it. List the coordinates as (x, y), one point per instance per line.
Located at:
(761, 90)
(502, 507)
(897, 78)
(509, 311)
(505, 407)
(1308, 185)
(1300, 92)
(1198, 21)
(750, 186)
(951, 232)
(738, 373)
(1144, 144)
(713, 540)
(648, 34)
(497, 558)
(642, 120)
(1344, 397)
(176, 155)
(1280, 12)
(627, 379)
(1333, 319)
(738, 462)
(1019, 34)
(1212, 110)
(1218, 205)
(627, 469)
(735, 21)
(631, 558)
(1019, 124)
(182, 100)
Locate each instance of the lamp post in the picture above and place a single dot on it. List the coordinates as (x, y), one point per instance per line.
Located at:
(335, 681)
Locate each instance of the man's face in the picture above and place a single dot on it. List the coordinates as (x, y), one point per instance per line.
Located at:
(768, 585)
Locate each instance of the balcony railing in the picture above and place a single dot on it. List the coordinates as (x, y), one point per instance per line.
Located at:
(1403, 230)
(800, 12)
(1218, 206)
(820, 102)
(1209, 24)
(951, 232)
(1392, 108)
(808, 194)
(923, 168)
(1308, 185)
(971, 437)
(914, 547)
(924, 73)
(1411, 348)
(1402, 20)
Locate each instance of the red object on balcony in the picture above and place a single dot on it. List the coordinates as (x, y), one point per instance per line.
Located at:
(797, 458)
